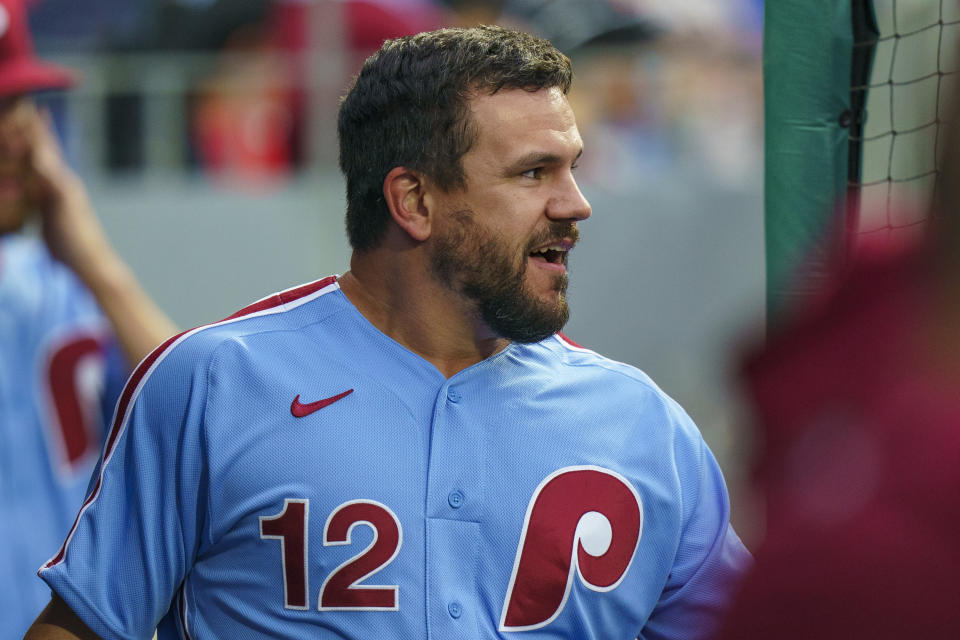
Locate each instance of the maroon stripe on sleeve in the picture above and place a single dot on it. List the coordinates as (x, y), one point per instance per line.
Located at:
(283, 297)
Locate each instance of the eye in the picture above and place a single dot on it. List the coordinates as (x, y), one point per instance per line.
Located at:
(533, 173)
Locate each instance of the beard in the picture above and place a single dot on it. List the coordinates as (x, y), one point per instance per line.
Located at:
(486, 268)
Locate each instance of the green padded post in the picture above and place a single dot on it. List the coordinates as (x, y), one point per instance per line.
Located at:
(808, 49)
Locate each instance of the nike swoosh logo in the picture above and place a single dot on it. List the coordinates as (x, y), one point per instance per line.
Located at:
(301, 410)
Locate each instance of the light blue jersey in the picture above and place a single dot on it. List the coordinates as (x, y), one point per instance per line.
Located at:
(292, 472)
(58, 386)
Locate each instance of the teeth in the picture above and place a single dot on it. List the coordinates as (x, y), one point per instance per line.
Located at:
(554, 247)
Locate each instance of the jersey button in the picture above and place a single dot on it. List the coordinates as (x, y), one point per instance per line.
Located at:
(453, 395)
(455, 609)
(456, 498)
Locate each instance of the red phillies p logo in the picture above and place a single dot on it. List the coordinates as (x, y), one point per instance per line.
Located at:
(584, 520)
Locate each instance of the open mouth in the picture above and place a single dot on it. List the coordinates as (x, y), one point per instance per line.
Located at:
(555, 253)
(552, 255)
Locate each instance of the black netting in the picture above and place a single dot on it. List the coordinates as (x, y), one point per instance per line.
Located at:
(906, 105)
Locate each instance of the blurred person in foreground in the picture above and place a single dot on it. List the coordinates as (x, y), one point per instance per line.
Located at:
(858, 407)
(412, 449)
(61, 364)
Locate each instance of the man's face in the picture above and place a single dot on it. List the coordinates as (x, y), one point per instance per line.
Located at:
(15, 112)
(502, 241)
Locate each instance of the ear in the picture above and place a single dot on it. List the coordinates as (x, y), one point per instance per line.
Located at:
(404, 190)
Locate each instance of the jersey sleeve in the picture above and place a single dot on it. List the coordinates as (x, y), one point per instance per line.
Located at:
(710, 559)
(140, 526)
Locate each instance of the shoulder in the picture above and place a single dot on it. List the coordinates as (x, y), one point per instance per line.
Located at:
(617, 386)
(197, 349)
(655, 436)
(286, 310)
(830, 343)
(579, 363)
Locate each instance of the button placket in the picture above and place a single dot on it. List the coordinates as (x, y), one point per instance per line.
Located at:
(456, 463)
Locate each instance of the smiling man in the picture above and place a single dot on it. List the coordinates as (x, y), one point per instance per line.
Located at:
(411, 450)
(520, 178)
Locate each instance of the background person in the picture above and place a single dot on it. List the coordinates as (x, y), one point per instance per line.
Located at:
(62, 362)
(857, 400)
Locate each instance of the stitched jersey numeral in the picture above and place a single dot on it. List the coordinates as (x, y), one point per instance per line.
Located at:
(342, 589)
(290, 528)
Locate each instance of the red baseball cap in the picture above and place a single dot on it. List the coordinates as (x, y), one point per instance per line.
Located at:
(20, 70)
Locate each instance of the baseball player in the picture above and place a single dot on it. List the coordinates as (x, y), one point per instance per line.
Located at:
(411, 450)
(62, 361)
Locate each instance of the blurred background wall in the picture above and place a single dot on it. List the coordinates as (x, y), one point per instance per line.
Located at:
(206, 132)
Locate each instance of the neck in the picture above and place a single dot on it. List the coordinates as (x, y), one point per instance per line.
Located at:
(402, 299)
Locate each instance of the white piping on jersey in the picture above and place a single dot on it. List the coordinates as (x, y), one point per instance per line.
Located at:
(572, 347)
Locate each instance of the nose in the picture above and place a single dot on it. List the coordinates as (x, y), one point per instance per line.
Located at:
(568, 203)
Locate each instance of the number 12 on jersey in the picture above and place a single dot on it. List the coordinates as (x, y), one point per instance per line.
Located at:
(341, 589)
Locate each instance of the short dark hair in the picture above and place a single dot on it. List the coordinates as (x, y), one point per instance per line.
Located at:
(409, 106)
